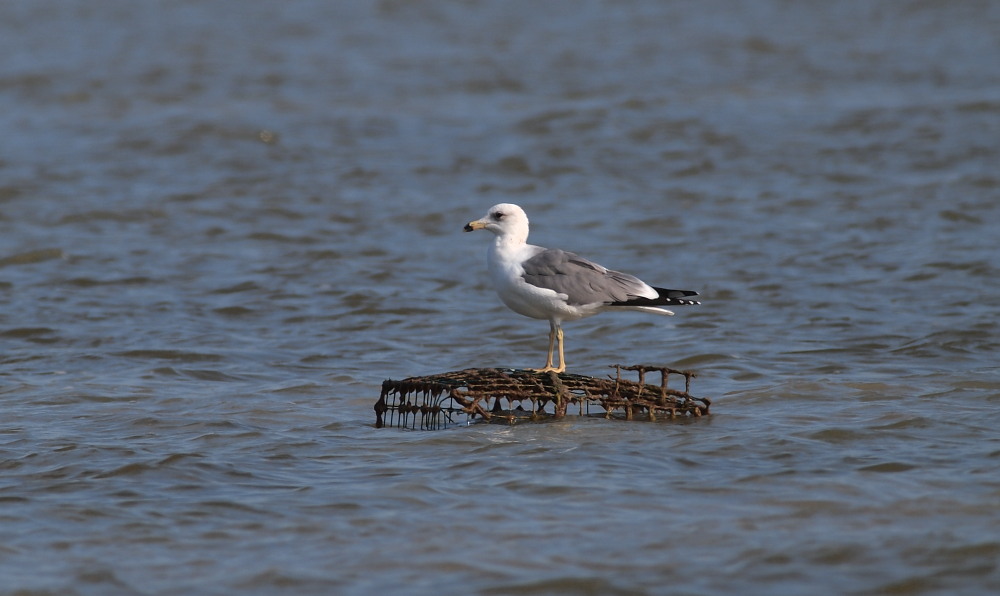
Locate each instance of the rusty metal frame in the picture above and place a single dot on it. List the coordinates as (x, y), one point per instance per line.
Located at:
(437, 401)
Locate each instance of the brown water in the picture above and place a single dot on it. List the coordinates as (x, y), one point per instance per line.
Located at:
(224, 224)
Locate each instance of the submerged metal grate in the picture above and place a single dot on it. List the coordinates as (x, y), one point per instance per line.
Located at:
(437, 401)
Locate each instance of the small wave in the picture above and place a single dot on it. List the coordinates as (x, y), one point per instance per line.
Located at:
(33, 256)
(124, 216)
(27, 332)
(177, 355)
(88, 282)
(887, 467)
(247, 286)
(234, 311)
(208, 375)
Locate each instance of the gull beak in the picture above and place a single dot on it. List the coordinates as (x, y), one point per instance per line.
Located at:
(474, 225)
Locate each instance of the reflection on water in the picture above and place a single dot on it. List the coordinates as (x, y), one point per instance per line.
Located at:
(223, 227)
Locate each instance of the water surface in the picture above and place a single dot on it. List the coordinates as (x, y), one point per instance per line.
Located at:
(224, 224)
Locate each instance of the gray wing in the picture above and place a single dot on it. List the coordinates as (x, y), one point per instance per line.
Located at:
(582, 281)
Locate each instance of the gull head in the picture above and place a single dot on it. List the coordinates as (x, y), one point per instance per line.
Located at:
(504, 220)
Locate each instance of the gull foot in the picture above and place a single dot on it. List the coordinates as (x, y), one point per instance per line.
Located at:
(548, 369)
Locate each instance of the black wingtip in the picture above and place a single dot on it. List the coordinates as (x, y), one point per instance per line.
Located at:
(678, 297)
(666, 298)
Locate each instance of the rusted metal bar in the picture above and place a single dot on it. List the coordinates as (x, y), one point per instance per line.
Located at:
(434, 401)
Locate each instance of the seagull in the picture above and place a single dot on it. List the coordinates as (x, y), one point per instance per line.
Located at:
(553, 284)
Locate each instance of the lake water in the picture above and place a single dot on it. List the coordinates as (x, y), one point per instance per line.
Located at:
(223, 224)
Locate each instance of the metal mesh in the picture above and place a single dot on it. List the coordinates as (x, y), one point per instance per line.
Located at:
(480, 394)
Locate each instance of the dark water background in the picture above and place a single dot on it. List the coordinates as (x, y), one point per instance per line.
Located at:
(223, 224)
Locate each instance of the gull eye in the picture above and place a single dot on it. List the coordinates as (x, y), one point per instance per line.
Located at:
(498, 215)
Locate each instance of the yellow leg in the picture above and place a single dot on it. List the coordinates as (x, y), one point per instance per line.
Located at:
(562, 357)
(555, 332)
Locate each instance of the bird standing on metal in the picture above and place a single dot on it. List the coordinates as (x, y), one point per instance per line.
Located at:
(552, 284)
